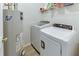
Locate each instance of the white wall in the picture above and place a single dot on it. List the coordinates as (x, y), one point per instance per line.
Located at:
(1, 30)
(71, 16)
(68, 15)
(31, 15)
(1, 21)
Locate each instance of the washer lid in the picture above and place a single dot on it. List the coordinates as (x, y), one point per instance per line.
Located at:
(62, 34)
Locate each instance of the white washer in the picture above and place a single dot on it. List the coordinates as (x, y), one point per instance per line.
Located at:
(35, 33)
(58, 42)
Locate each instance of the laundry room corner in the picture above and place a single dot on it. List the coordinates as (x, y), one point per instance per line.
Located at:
(39, 29)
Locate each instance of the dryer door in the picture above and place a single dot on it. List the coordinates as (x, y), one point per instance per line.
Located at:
(49, 47)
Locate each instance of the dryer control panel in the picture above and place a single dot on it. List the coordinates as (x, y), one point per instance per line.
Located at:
(64, 26)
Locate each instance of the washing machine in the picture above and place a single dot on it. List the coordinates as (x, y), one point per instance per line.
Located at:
(35, 35)
(58, 40)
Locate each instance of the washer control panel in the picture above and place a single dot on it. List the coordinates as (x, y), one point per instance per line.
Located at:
(64, 26)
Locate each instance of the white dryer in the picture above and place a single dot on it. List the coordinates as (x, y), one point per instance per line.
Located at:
(58, 41)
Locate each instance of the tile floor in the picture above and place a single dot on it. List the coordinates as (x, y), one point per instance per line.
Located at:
(30, 51)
